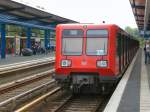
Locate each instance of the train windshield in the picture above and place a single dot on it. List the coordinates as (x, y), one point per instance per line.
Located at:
(96, 42)
(72, 42)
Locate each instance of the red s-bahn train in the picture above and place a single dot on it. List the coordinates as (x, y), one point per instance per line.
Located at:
(90, 56)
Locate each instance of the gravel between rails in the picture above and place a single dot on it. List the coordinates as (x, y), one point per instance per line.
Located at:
(64, 101)
(23, 89)
(25, 73)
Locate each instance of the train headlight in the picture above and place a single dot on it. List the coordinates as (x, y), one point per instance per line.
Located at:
(102, 63)
(66, 63)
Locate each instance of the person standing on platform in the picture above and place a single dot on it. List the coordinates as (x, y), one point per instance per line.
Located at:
(147, 51)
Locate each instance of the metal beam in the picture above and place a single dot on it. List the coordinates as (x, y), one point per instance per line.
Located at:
(138, 6)
(147, 12)
(28, 35)
(25, 24)
(33, 18)
(38, 18)
(138, 20)
(140, 23)
(29, 13)
(11, 9)
(55, 23)
(135, 13)
(22, 11)
(3, 41)
(139, 15)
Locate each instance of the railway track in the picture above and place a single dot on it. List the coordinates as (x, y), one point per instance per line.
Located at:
(24, 65)
(13, 94)
(25, 70)
(25, 81)
(30, 91)
(86, 103)
(65, 102)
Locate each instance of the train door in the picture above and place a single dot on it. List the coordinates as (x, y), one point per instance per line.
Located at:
(129, 50)
(119, 50)
(123, 62)
(126, 51)
(124, 48)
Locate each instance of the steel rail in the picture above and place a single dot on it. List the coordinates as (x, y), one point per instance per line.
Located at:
(62, 106)
(21, 66)
(11, 103)
(97, 105)
(18, 63)
(24, 80)
(38, 100)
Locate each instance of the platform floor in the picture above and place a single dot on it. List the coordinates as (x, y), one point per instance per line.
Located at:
(135, 95)
(130, 101)
(16, 59)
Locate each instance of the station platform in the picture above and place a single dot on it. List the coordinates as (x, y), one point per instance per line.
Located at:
(133, 91)
(16, 59)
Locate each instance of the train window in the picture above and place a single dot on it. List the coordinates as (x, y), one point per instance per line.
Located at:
(96, 42)
(72, 33)
(72, 42)
(97, 33)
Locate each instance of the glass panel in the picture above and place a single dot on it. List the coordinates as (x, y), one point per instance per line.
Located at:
(96, 42)
(72, 42)
(98, 48)
(72, 46)
(72, 33)
(97, 33)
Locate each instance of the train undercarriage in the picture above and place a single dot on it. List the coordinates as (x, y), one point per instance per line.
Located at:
(87, 83)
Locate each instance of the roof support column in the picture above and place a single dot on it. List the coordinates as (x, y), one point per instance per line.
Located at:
(3, 41)
(28, 40)
(50, 39)
(147, 12)
(47, 35)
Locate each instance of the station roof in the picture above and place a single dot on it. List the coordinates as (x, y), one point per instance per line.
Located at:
(16, 13)
(141, 10)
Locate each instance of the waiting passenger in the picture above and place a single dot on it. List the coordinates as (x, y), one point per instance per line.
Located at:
(147, 52)
(34, 50)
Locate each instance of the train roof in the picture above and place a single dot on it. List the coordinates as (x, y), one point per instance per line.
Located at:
(88, 24)
(91, 24)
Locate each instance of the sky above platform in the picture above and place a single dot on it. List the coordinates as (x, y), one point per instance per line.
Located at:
(89, 11)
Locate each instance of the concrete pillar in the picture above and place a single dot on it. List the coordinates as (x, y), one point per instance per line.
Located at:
(28, 35)
(3, 40)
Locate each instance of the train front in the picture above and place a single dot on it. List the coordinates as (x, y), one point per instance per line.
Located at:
(82, 57)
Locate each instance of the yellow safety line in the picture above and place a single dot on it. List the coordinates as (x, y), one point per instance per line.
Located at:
(38, 100)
